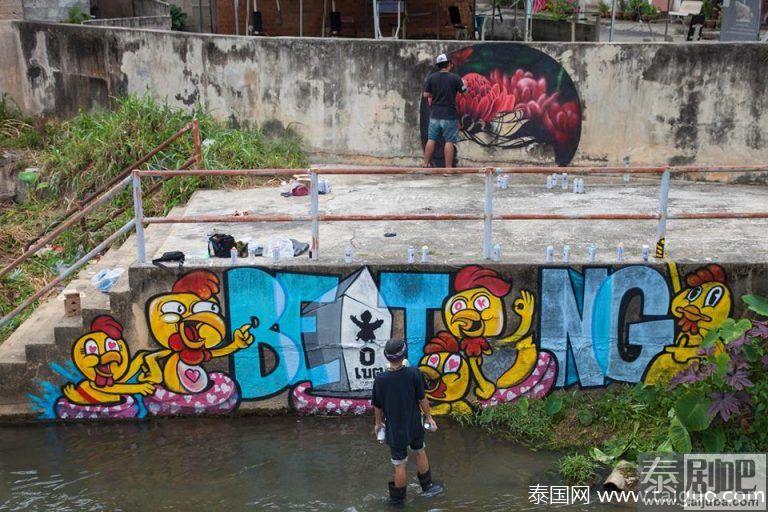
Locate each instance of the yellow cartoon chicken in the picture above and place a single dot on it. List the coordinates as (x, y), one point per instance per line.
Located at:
(699, 308)
(446, 375)
(475, 316)
(102, 357)
(189, 325)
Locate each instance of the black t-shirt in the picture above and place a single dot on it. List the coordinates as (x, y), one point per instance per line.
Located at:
(443, 87)
(398, 393)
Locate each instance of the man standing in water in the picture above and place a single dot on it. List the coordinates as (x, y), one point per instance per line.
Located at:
(440, 89)
(399, 399)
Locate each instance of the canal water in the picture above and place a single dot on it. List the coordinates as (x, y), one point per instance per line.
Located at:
(257, 463)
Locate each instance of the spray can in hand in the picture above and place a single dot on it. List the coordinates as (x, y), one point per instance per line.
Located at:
(381, 434)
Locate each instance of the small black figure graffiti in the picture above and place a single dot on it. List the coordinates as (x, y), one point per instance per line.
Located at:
(367, 328)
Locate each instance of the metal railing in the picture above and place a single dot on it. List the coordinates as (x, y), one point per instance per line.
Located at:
(92, 201)
(662, 216)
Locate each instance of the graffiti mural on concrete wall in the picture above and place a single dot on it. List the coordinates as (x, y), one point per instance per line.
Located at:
(316, 341)
(516, 96)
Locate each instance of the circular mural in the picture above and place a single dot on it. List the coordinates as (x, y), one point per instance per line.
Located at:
(516, 96)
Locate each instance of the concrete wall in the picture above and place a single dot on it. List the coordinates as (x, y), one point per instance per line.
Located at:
(52, 10)
(359, 99)
(311, 338)
(11, 10)
(146, 22)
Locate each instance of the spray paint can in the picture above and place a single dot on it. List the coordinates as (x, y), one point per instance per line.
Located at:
(550, 254)
(564, 182)
(626, 174)
(581, 185)
(620, 252)
(233, 255)
(592, 253)
(555, 179)
(496, 254)
(348, 255)
(424, 254)
(575, 185)
(566, 253)
(381, 435)
(275, 253)
(411, 254)
(504, 181)
(646, 252)
(549, 182)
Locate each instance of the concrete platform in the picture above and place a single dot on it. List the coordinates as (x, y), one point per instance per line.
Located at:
(458, 242)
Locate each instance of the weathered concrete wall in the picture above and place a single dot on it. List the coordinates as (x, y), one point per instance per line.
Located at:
(52, 10)
(11, 10)
(147, 22)
(311, 338)
(359, 99)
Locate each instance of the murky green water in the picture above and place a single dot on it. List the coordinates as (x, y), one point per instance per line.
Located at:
(285, 463)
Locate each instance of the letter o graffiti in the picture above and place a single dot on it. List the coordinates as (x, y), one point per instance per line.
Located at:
(367, 356)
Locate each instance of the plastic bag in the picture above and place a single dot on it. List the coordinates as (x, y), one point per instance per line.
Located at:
(283, 245)
(106, 279)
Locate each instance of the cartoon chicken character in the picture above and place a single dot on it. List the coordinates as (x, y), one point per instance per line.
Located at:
(188, 324)
(103, 358)
(702, 306)
(475, 317)
(447, 375)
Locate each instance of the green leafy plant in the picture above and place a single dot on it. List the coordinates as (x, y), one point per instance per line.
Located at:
(604, 8)
(641, 8)
(560, 9)
(727, 389)
(577, 469)
(178, 18)
(77, 15)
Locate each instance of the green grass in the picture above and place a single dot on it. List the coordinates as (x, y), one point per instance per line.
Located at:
(587, 418)
(577, 469)
(80, 155)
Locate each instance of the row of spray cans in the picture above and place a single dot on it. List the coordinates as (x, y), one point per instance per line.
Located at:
(592, 253)
(349, 255)
(561, 181)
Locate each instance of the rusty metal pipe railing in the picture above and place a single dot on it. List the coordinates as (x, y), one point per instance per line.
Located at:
(75, 266)
(64, 225)
(487, 216)
(350, 170)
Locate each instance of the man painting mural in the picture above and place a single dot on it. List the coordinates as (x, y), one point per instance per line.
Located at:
(440, 90)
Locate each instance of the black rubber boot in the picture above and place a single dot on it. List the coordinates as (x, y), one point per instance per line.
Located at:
(425, 479)
(396, 494)
(428, 487)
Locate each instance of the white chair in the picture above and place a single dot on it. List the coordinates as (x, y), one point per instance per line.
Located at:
(687, 8)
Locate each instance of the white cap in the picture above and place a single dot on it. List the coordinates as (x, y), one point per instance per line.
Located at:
(441, 58)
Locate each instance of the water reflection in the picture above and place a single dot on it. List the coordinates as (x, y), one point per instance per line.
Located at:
(285, 463)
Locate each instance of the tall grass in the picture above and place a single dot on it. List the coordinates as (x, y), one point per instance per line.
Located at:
(80, 155)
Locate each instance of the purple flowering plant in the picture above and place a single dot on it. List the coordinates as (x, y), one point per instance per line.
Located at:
(723, 397)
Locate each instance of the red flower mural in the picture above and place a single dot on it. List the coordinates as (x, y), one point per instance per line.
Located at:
(501, 104)
(516, 96)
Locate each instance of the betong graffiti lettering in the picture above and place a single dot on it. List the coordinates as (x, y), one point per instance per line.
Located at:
(317, 340)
